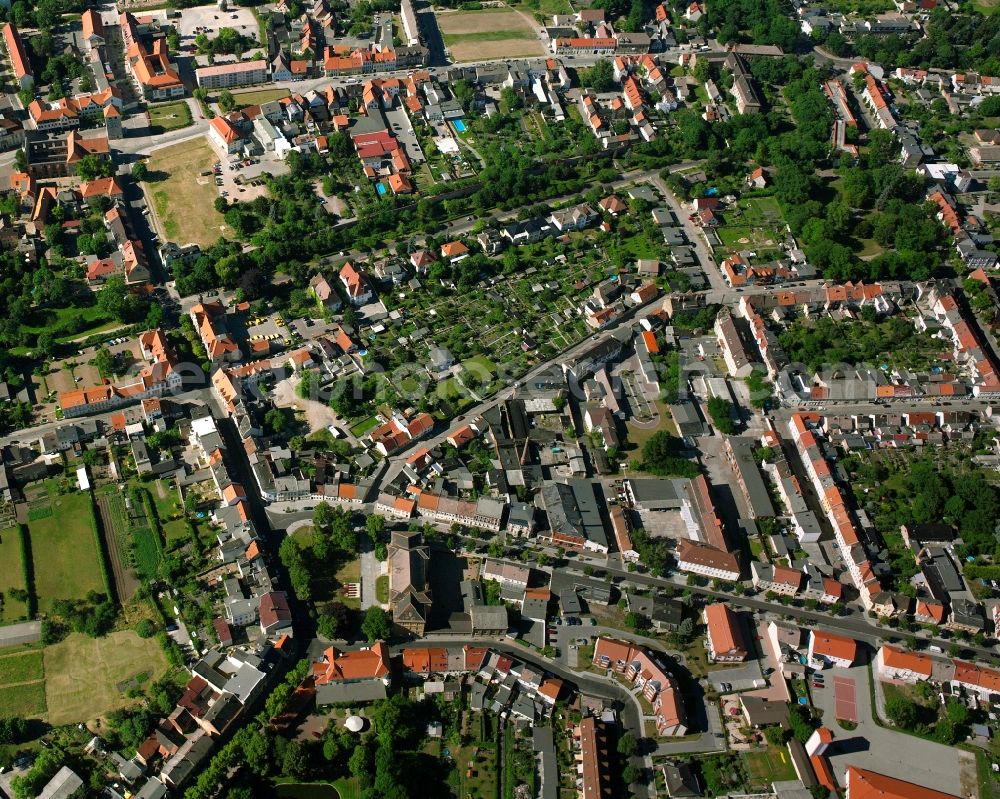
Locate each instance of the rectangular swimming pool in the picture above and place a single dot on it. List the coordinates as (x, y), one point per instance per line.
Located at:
(459, 125)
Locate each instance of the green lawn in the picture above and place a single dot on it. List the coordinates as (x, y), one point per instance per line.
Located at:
(26, 701)
(66, 561)
(21, 667)
(147, 551)
(349, 572)
(168, 506)
(360, 428)
(382, 588)
(546, 8)
(348, 788)
(11, 576)
(169, 116)
(773, 764)
(258, 96)
(488, 36)
(482, 364)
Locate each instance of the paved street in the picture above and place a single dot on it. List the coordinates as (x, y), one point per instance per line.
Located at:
(371, 568)
(871, 746)
(591, 684)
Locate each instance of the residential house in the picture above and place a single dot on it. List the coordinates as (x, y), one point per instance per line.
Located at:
(829, 649)
(725, 639)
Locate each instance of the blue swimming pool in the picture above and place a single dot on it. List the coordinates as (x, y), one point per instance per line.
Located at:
(459, 125)
(380, 188)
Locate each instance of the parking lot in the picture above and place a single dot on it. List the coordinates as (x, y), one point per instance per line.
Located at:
(882, 749)
(208, 20)
(269, 329)
(251, 185)
(401, 126)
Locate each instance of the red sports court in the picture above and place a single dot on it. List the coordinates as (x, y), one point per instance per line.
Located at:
(845, 699)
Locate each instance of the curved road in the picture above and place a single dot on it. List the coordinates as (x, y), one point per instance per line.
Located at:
(594, 685)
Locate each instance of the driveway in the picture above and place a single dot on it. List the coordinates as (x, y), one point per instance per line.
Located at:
(26, 633)
(883, 750)
(742, 678)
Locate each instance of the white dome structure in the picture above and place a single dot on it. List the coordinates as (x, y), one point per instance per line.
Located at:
(355, 723)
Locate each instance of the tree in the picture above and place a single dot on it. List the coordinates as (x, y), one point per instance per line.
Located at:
(118, 302)
(377, 626)
(104, 362)
(323, 516)
(13, 730)
(721, 410)
(20, 160)
(801, 723)
(257, 753)
(627, 745)
(90, 167)
(139, 171)
(226, 101)
(328, 626)
(658, 455)
(295, 763)
(600, 77)
(775, 735)
(375, 525)
(902, 712)
(631, 774)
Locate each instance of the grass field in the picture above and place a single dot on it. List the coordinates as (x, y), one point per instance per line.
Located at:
(66, 561)
(167, 506)
(147, 551)
(183, 197)
(26, 701)
(773, 764)
(348, 788)
(169, 116)
(11, 576)
(546, 8)
(85, 675)
(258, 96)
(349, 572)
(360, 428)
(490, 33)
(21, 667)
(382, 588)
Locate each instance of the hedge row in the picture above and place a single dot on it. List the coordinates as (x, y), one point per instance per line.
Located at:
(102, 554)
(28, 569)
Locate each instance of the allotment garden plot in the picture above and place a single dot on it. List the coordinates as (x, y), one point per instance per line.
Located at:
(494, 332)
(752, 224)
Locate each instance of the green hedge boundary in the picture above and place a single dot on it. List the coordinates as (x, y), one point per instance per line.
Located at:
(28, 570)
(102, 554)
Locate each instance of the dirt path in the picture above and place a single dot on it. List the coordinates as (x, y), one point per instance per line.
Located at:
(126, 584)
